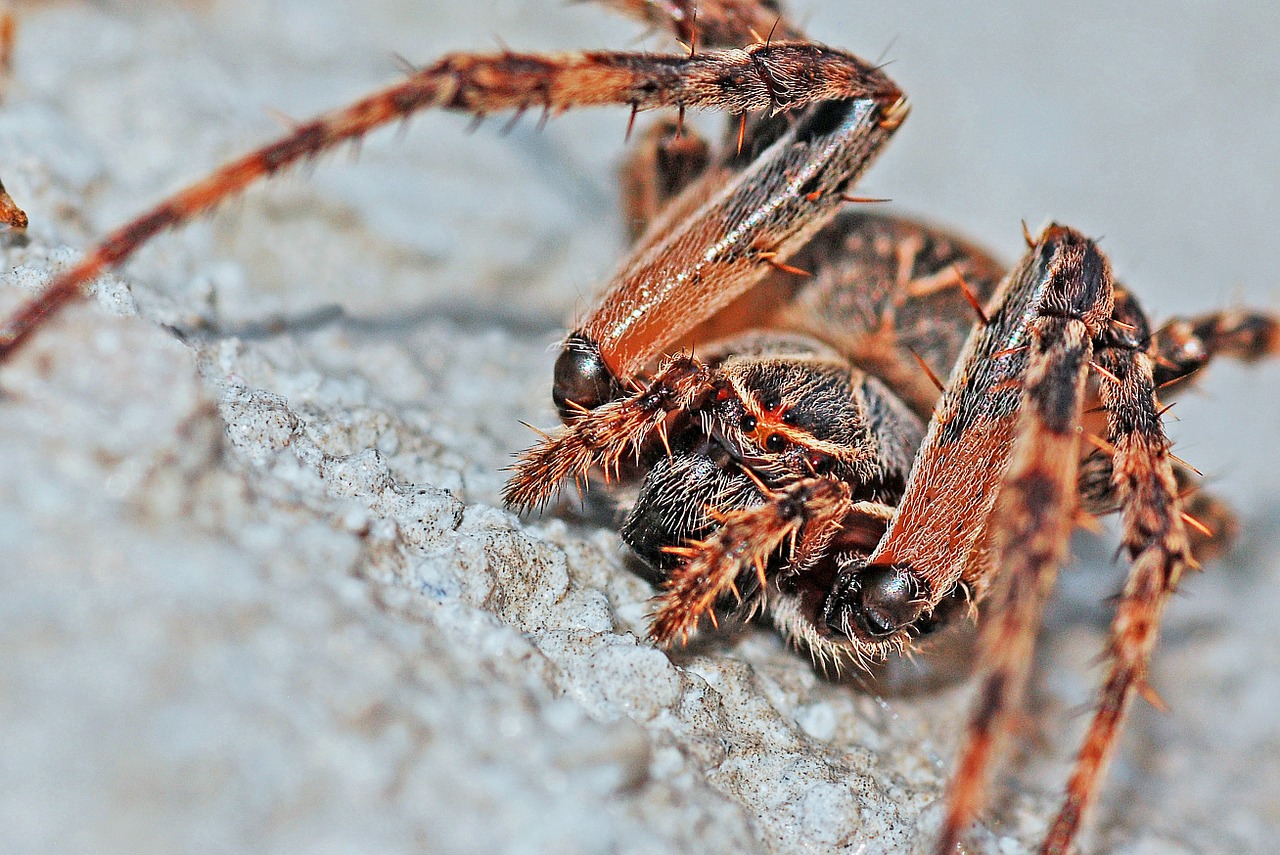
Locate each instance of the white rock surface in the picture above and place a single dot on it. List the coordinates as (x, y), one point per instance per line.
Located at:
(259, 593)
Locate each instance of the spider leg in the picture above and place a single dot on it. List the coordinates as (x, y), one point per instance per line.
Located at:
(699, 25)
(806, 515)
(712, 23)
(1182, 346)
(673, 172)
(1212, 526)
(1156, 540)
(667, 160)
(750, 223)
(603, 436)
(1178, 351)
(785, 76)
(942, 525)
(1033, 518)
(671, 156)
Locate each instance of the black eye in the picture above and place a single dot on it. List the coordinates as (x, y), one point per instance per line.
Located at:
(775, 442)
(748, 423)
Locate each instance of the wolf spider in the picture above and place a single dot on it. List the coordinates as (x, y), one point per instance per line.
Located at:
(766, 365)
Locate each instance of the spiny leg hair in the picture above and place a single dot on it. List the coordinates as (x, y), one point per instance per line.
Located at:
(602, 437)
(803, 516)
(1035, 513)
(1156, 540)
(773, 77)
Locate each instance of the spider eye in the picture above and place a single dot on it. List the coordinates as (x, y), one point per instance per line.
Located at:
(748, 423)
(775, 442)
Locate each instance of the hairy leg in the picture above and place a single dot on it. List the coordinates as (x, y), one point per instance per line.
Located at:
(695, 265)
(734, 81)
(805, 515)
(603, 436)
(943, 518)
(1035, 512)
(666, 161)
(1131, 469)
(1183, 346)
(1178, 351)
(671, 156)
(1212, 526)
(713, 23)
(1156, 541)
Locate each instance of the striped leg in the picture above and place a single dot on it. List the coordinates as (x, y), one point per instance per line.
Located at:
(712, 23)
(1156, 540)
(1035, 512)
(762, 77)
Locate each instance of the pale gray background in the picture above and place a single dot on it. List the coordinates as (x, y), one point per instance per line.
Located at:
(253, 608)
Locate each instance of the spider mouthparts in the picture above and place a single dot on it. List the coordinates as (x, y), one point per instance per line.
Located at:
(874, 601)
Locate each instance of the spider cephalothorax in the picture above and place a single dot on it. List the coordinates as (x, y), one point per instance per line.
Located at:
(860, 424)
(776, 413)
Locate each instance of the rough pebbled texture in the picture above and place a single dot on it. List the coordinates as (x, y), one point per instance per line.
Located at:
(258, 594)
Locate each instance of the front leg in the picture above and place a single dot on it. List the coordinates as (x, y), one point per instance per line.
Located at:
(745, 230)
(1036, 507)
(994, 491)
(776, 77)
(1159, 550)
(713, 23)
(940, 534)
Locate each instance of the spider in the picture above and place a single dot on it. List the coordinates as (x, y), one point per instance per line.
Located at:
(818, 474)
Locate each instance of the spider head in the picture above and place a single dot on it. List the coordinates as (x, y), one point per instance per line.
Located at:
(792, 413)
